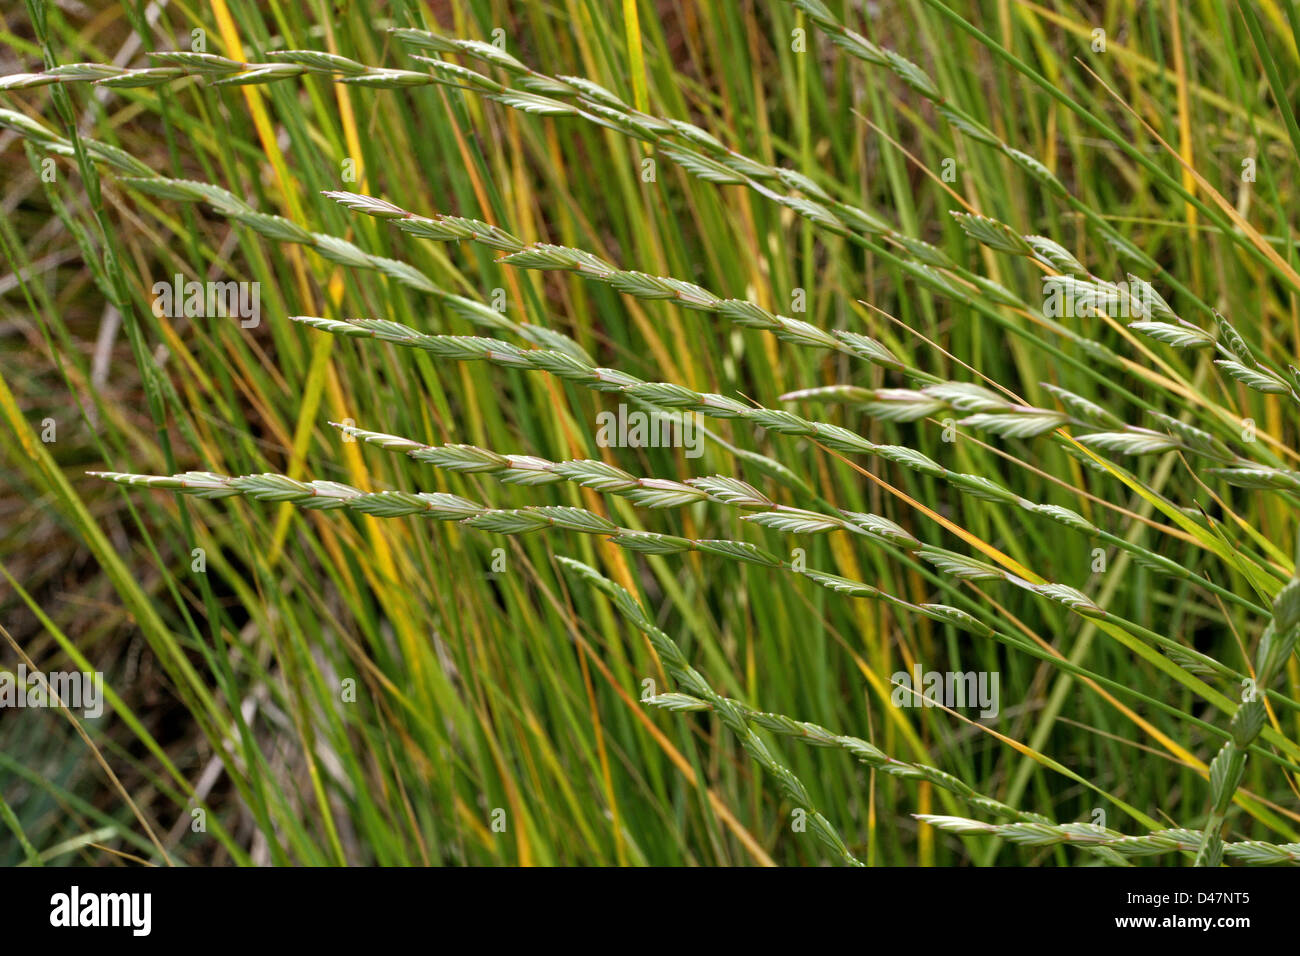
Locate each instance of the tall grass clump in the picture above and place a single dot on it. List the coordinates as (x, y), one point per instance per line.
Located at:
(970, 334)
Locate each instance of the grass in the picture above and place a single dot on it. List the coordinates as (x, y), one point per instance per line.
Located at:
(823, 236)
